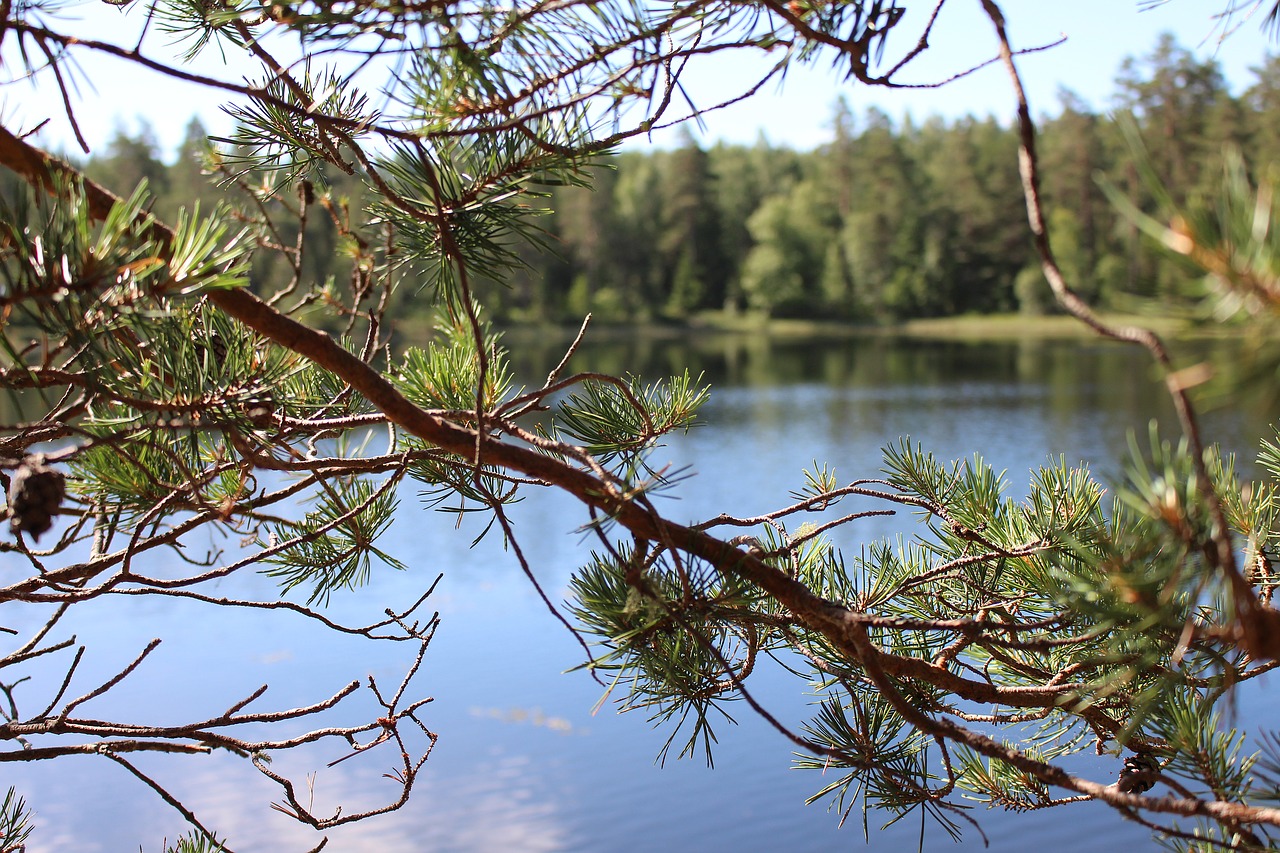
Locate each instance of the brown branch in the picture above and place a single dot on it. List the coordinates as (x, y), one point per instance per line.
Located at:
(1258, 624)
(368, 631)
(825, 617)
(872, 658)
(106, 685)
(164, 794)
(844, 628)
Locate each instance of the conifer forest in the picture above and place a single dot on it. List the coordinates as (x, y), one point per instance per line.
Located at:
(886, 221)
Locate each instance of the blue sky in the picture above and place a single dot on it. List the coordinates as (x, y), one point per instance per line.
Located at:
(1099, 33)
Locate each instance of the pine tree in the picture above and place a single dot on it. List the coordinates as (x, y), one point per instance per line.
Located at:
(690, 242)
(169, 388)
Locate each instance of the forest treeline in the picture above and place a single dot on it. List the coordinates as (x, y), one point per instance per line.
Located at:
(887, 221)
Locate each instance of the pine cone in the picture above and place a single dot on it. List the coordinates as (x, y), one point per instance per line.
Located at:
(260, 410)
(35, 493)
(215, 344)
(1138, 774)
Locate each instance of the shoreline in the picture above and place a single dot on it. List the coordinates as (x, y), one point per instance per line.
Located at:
(964, 327)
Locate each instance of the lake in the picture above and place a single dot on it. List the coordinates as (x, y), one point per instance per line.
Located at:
(522, 763)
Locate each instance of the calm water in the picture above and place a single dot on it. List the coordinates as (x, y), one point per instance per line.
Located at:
(522, 763)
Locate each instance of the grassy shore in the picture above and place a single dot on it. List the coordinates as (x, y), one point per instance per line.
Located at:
(970, 326)
(976, 327)
(999, 326)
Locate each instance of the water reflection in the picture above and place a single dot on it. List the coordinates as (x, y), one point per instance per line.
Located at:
(502, 781)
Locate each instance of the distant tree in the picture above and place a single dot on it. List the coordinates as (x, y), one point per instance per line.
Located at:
(131, 160)
(882, 234)
(589, 235)
(639, 216)
(1172, 97)
(690, 242)
(1073, 154)
(164, 392)
(1262, 101)
(839, 160)
(185, 182)
(790, 232)
(744, 178)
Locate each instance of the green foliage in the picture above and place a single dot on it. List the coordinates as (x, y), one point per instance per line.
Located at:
(311, 392)
(448, 373)
(281, 144)
(884, 223)
(57, 264)
(195, 842)
(1227, 237)
(1114, 587)
(479, 206)
(780, 274)
(817, 484)
(145, 470)
(201, 256)
(1206, 753)
(999, 784)
(455, 373)
(1201, 749)
(333, 548)
(15, 822)
(668, 638)
(886, 758)
(199, 24)
(195, 362)
(624, 420)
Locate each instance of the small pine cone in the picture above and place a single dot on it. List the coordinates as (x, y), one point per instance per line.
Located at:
(1138, 774)
(35, 493)
(218, 347)
(260, 410)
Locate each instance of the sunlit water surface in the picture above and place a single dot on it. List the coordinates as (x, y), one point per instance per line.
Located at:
(523, 763)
